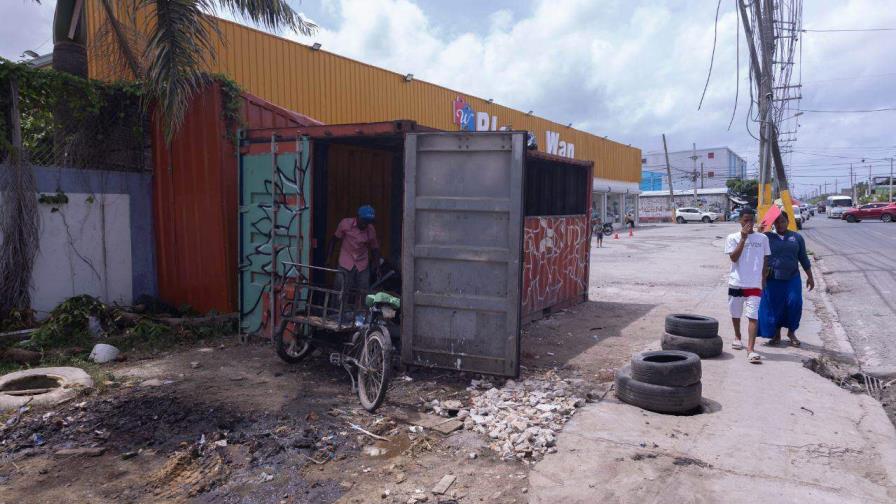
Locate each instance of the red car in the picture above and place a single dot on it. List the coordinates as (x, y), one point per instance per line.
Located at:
(883, 211)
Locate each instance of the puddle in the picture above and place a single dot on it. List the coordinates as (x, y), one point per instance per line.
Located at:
(389, 449)
(32, 385)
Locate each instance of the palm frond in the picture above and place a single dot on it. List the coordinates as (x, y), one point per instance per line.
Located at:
(271, 14)
(177, 54)
(118, 38)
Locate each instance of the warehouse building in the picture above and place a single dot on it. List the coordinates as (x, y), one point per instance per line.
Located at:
(337, 90)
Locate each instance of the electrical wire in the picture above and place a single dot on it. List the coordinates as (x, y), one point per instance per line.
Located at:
(837, 30)
(867, 111)
(712, 58)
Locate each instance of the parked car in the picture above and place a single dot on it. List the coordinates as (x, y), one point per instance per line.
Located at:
(683, 215)
(734, 215)
(821, 208)
(883, 211)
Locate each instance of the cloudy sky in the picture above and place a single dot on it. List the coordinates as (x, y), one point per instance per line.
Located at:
(628, 69)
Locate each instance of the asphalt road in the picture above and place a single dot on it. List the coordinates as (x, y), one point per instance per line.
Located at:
(859, 264)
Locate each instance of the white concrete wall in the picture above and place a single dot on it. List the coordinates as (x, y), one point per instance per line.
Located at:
(85, 248)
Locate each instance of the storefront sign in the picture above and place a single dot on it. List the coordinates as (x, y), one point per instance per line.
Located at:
(468, 119)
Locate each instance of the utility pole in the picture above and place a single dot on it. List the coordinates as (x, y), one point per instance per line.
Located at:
(694, 158)
(891, 180)
(853, 184)
(701, 175)
(869, 180)
(669, 173)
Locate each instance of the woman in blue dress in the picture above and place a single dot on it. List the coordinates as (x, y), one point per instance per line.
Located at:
(782, 297)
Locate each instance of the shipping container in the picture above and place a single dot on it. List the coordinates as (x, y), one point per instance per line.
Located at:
(195, 199)
(485, 233)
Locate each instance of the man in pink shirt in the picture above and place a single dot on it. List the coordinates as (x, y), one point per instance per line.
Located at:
(357, 237)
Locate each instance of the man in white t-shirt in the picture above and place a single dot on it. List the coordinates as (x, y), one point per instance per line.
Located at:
(749, 253)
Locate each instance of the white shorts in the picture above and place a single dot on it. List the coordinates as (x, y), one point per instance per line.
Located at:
(744, 307)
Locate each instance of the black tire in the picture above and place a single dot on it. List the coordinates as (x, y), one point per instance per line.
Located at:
(692, 326)
(887, 217)
(851, 218)
(293, 351)
(671, 368)
(704, 347)
(659, 398)
(680, 220)
(706, 220)
(608, 231)
(376, 355)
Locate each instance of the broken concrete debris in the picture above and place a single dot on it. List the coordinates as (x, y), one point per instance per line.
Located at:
(521, 418)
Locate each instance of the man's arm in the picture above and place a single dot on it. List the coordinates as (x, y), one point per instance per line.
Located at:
(806, 263)
(738, 250)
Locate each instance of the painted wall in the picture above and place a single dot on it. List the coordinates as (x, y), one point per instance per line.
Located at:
(99, 243)
(555, 262)
(335, 90)
(656, 208)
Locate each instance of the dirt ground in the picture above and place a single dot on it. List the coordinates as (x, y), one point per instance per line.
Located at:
(232, 423)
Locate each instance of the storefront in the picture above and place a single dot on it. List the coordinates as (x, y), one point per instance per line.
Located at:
(612, 200)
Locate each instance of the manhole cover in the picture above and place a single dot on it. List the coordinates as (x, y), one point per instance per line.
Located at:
(31, 385)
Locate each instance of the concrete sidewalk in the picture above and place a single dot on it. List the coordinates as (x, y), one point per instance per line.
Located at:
(774, 432)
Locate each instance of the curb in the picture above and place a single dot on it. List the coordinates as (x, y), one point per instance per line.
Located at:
(841, 340)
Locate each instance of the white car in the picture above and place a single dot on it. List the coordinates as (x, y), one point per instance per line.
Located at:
(798, 216)
(684, 215)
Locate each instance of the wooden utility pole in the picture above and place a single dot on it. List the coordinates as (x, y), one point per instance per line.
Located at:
(669, 174)
(694, 157)
(853, 184)
(891, 180)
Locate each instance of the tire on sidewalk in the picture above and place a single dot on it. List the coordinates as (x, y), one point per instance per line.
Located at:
(672, 368)
(658, 398)
(704, 347)
(694, 326)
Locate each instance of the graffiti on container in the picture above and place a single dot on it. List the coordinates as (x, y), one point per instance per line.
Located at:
(555, 262)
(275, 237)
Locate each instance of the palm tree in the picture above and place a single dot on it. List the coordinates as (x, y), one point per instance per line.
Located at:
(166, 44)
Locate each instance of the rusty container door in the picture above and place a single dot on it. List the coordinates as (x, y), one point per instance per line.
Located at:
(461, 251)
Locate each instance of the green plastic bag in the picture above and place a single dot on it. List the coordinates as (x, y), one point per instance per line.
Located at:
(383, 297)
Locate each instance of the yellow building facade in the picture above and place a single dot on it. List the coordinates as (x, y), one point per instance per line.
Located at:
(335, 89)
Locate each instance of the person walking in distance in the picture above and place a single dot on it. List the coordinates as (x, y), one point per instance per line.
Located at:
(748, 251)
(597, 228)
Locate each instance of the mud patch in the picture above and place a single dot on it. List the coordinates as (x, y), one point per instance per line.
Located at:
(688, 461)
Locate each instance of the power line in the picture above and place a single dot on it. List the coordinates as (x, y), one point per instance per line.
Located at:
(835, 30)
(848, 111)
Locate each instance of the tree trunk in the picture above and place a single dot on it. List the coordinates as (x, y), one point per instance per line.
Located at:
(19, 220)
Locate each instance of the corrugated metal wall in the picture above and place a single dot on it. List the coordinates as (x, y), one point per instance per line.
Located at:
(195, 202)
(335, 89)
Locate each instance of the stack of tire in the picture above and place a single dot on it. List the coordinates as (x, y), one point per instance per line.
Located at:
(692, 333)
(666, 381)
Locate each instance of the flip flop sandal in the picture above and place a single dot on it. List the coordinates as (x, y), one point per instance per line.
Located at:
(737, 345)
(795, 343)
(754, 358)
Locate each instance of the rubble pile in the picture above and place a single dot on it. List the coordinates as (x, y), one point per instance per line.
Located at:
(521, 418)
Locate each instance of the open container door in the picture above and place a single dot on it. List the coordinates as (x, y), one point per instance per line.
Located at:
(461, 251)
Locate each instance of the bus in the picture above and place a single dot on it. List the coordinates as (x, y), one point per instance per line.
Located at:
(836, 205)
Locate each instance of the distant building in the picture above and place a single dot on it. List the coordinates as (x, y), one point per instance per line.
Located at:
(651, 181)
(719, 165)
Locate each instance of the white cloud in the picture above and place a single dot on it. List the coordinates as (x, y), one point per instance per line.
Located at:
(632, 71)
